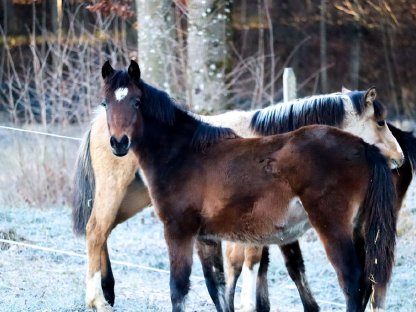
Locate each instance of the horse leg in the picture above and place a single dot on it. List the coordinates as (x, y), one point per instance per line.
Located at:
(210, 254)
(338, 243)
(296, 269)
(100, 282)
(98, 230)
(107, 278)
(252, 256)
(262, 288)
(180, 257)
(235, 259)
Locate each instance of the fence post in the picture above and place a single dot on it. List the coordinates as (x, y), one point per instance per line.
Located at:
(289, 84)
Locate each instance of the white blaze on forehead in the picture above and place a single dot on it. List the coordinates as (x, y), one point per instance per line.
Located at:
(121, 93)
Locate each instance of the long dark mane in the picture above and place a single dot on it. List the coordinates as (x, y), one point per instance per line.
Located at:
(158, 106)
(281, 118)
(162, 108)
(323, 109)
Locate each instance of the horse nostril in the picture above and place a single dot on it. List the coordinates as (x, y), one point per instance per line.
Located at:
(124, 141)
(113, 142)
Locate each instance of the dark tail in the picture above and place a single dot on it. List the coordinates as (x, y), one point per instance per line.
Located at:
(84, 187)
(379, 219)
(407, 142)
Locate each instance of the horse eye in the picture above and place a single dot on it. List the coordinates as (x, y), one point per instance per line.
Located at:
(381, 123)
(136, 103)
(104, 104)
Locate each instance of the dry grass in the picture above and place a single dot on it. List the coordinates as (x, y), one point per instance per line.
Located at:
(36, 171)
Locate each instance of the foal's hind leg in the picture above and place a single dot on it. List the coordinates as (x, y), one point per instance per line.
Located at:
(235, 260)
(210, 254)
(296, 269)
(335, 231)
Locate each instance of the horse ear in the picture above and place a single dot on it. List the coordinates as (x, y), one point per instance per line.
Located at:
(106, 70)
(134, 70)
(370, 95)
(345, 90)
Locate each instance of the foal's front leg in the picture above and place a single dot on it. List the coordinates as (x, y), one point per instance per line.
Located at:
(210, 254)
(180, 256)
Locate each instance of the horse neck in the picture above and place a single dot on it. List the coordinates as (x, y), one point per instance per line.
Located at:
(161, 142)
(298, 113)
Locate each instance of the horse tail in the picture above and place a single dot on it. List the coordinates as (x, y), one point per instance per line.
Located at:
(84, 187)
(379, 218)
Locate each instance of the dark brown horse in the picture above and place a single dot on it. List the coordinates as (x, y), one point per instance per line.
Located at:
(206, 182)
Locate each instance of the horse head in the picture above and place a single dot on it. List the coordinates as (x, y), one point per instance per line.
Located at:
(122, 102)
(366, 119)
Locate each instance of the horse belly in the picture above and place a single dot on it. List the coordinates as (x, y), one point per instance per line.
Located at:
(295, 225)
(265, 231)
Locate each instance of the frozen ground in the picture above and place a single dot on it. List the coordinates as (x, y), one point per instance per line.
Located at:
(35, 280)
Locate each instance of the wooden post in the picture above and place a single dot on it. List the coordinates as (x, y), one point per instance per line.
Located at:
(289, 85)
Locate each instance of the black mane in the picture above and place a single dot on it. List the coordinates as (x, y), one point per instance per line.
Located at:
(205, 135)
(324, 110)
(358, 100)
(281, 118)
(158, 106)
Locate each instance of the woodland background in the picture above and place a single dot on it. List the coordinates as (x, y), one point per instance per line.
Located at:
(210, 55)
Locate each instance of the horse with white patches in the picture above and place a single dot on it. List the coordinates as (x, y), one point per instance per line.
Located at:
(110, 183)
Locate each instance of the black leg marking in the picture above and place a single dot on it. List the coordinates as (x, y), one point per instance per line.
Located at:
(107, 282)
(262, 289)
(296, 269)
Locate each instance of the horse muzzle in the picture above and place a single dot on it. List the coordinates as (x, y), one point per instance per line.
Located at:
(397, 163)
(120, 147)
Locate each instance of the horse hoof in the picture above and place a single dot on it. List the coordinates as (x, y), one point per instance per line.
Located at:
(247, 308)
(99, 305)
(100, 308)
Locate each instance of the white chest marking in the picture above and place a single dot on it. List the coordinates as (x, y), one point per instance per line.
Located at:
(121, 93)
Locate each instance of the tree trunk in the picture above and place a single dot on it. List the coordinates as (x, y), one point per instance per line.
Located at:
(158, 45)
(208, 55)
(389, 67)
(355, 57)
(324, 74)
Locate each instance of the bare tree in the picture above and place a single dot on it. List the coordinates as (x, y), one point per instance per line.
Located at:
(208, 54)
